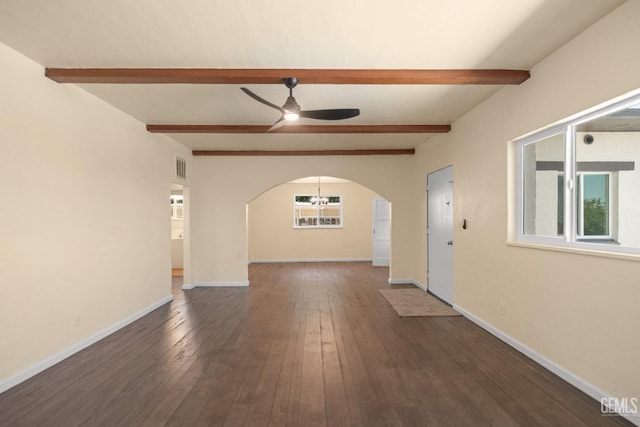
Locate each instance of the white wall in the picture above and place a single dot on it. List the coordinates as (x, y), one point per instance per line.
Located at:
(579, 311)
(86, 231)
(273, 237)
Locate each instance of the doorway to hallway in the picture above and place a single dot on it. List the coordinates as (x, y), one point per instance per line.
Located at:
(177, 236)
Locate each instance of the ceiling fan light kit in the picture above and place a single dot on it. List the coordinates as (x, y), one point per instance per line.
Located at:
(291, 116)
(291, 107)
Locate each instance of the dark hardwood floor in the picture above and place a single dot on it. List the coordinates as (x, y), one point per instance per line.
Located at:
(304, 345)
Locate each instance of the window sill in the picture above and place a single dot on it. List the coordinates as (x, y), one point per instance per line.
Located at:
(316, 227)
(578, 251)
(605, 241)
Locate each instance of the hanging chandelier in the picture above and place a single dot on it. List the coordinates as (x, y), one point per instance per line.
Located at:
(318, 200)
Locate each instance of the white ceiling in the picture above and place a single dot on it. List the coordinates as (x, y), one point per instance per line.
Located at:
(359, 34)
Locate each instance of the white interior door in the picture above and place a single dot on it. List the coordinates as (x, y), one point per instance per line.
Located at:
(381, 233)
(440, 233)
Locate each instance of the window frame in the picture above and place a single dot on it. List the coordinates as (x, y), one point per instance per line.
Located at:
(580, 206)
(568, 127)
(532, 139)
(318, 210)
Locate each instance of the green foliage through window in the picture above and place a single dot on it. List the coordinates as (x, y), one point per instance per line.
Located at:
(596, 219)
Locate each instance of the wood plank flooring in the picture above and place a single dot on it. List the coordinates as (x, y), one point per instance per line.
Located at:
(304, 345)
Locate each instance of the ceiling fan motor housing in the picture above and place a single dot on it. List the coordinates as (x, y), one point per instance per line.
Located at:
(291, 105)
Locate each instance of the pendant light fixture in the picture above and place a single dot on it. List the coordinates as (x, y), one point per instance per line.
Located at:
(318, 200)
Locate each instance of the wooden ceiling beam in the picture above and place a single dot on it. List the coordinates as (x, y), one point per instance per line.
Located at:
(275, 76)
(371, 152)
(158, 128)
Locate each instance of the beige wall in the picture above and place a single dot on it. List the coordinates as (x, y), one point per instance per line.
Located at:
(272, 236)
(85, 225)
(219, 250)
(578, 311)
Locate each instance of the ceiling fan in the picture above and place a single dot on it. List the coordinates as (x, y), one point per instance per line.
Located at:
(291, 109)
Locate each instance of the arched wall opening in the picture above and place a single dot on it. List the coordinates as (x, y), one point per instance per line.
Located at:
(275, 235)
(224, 186)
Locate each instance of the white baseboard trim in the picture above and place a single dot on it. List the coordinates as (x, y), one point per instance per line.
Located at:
(566, 375)
(187, 286)
(267, 261)
(409, 282)
(215, 284)
(14, 380)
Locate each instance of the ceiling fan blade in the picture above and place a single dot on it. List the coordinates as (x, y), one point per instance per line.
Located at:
(336, 114)
(277, 125)
(262, 100)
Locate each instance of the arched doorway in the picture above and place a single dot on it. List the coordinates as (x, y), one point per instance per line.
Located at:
(285, 225)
